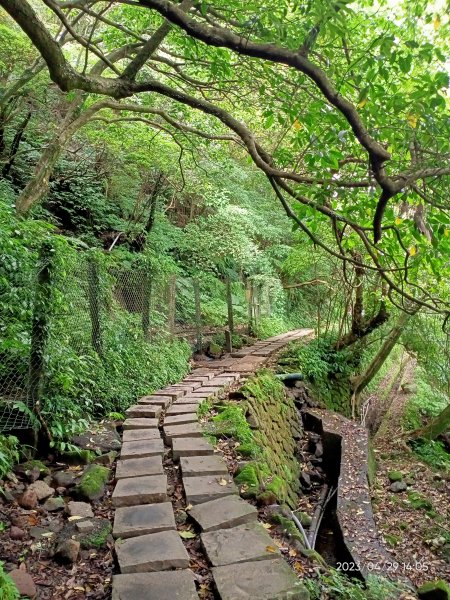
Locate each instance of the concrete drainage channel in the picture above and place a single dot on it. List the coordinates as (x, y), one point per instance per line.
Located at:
(165, 466)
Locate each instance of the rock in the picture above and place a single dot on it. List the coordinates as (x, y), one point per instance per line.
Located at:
(78, 457)
(42, 490)
(305, 480)
(395, 476)
(28, 499)
(434, 590)
(84, 526)
(319, 450)
(106, 459)
(92, 483)
(409, 388)
(30, 465)
(65, 479)
(304, 519)
(15, 533)
(79, 509)
(398, 486)
(104, 440)
(67, 551)
(24, 583)
(60, 491)
(33, 475)
(54, 504)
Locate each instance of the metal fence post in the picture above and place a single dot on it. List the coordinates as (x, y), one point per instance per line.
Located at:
(171, 303)
(40, 325)
(198, 315)
(230, 332)
(146, 304)
(94, 304)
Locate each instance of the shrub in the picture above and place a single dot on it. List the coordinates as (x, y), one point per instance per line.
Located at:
(8, 590)
(9, 453)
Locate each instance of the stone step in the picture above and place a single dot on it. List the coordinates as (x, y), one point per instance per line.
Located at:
(162, 585)
(191, 399)
(142, 448)
(187, 430)
(137, 467)
(208, 390)
(134, 435)
(144, 410)
(132, 491)
(192, 466)
(246, 542)
(261, 580)
(181, 419)
(191, 447)
(130, 521)
(223, 513)
(152, 552)
(140, 423)
(163, 401)
(201, 379)
(181, 409)
(207, 487)
(172, 394)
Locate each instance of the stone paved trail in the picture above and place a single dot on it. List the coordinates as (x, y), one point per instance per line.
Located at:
(153, 561)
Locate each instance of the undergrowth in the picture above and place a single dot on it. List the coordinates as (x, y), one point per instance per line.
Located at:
(9, 454)
(336, 586)
(8, 590)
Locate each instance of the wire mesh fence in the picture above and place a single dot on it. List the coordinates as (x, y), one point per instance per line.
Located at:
(79, 313)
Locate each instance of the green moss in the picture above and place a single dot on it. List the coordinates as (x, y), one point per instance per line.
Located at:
(250, 450)
(371, 465)
(78, 457)
(278, 487)
(98, 538)
(418, 501)
(92, 482)
(288, 526)
(29, 465)
(395, 476)
(392, 540)
(434, 590)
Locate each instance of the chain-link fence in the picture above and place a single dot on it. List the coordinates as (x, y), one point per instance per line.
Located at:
(80, 318)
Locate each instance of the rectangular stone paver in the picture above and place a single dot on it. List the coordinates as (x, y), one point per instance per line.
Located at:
(261, 580)
(190, 399)
(207, 487)
(181, 409)
(223, 513)
(130, 521)
(173, 394)
(140, 423)
(134, 435)
(132, 491)
(152, 552)
(191, 447)
(181, 419)
(137, 467)
(203, 465)
(163, 585)
(163, 401)
(238, 544)
(209, 390)
(144, 410)
(142, 448)
(186, 430)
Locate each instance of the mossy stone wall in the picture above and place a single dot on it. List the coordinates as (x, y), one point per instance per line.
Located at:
(277, 427)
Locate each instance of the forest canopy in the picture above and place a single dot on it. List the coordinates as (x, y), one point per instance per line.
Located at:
(342, 105)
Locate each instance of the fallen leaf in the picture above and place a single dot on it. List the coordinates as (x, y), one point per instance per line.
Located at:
(362, 103)
(267, 526)
(292, 552)
(189, 507)
(271, 549)
(223, 481)
(398, 221)
(187, 535)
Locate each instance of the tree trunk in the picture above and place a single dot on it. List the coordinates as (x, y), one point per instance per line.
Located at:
(362, 381)
(435, 427)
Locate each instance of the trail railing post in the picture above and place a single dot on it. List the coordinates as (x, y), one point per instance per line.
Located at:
(230, 332)
(198, 315)
(146, 305)
(40, 326)
(171, 303)
(94, 304)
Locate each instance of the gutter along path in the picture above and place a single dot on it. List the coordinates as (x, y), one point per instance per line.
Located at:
(163, 440)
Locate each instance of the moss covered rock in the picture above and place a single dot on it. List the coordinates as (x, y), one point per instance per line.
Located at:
(419, 502)
(92, 483)
(395, 476)
(29, 465)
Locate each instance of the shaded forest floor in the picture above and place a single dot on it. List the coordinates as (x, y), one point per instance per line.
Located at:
(414, 522)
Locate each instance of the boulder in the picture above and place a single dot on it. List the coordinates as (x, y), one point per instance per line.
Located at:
(79, 509)
(398, 486)
(395, 476)
(54, 504)
(65, 479)
(92, 483)
(434, 590)
(15, 533)
(24, 583)
(28, 500)
(42, 490)
(67, 551)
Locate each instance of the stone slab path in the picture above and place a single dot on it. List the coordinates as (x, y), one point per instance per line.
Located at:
(153, 561)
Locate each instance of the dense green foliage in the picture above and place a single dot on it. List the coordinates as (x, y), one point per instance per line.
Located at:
(336, 586)
(8, 590)
(9, 453)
